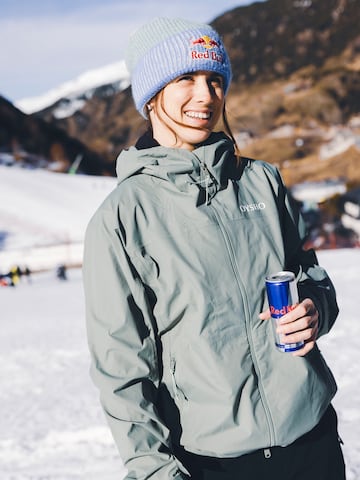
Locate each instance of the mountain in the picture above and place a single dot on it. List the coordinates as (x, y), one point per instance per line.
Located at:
(272, 40)
(32, 142)
(72, 95)
(294, 100)
(106, 123)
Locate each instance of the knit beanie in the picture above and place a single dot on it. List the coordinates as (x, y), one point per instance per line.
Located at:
(166, 48)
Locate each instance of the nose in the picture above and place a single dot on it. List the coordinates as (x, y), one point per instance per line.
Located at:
(203, 90)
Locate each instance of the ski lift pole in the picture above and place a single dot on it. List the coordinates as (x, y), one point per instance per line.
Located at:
(75, 165)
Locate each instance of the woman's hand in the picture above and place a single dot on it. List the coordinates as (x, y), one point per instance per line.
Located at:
(301, 324)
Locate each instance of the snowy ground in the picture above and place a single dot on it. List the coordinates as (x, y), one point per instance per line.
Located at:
(52, 427)
(43, 215)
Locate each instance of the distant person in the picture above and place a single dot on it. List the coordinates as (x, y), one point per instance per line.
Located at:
(14, 275)
(4, 280)
(18, 271)
(174, 268)
(61, 272)
(27, 274)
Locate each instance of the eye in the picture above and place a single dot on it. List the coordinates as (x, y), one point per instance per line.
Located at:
(216, 80)
(187, 77)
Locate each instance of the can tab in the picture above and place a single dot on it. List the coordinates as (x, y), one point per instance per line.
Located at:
(267, 453)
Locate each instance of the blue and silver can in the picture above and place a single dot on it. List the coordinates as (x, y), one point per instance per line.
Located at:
(283, 297)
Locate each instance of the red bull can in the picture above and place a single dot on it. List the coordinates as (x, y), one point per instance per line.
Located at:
(282, 292)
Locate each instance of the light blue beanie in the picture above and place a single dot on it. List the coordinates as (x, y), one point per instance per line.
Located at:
(165, 48)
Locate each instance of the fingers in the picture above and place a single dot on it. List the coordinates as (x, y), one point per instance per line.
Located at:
(265, 315)
(300, 325)
(303, 351)
(305, 313)
(306, 335)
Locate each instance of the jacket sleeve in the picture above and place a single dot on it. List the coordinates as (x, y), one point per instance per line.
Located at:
(124, 354)
(313, 280)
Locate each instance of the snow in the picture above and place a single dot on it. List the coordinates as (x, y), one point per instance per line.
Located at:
(80, 86)
(341, 139)
(350, 222)
(68, 107)
(52, 425)
(44, 215)
(317, 192)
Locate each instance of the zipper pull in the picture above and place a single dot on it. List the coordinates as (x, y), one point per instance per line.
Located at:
(207, 178)
(267, 453)
(173, 381)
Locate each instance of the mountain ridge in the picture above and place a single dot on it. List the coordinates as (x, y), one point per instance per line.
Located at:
(113, 75)
(33, 142)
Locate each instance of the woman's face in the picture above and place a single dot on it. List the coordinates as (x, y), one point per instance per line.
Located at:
(186, 111)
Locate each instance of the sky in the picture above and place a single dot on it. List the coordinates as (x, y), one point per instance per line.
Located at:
(44, 43)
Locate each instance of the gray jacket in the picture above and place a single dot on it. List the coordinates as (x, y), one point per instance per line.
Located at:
(174, 267)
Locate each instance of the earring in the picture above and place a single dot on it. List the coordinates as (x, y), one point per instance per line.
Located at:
(149, 107)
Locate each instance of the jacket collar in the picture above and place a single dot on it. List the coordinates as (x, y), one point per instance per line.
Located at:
(210, 166)
(146, 141)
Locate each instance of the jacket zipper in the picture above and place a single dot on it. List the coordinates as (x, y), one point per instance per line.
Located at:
(173, 381)
(242, 289)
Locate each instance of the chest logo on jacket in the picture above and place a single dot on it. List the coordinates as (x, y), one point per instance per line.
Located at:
(252, 207)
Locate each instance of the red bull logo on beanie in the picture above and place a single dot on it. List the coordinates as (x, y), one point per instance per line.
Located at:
(206, 42)
(207, 52)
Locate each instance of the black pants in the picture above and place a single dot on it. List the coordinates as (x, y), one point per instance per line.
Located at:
(315, 456)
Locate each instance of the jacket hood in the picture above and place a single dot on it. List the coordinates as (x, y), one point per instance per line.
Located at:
(209, 166)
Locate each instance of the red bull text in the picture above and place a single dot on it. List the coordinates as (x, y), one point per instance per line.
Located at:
(209, 45)
(283, 297)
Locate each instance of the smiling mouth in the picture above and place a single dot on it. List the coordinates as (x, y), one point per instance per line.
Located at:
(201, 115)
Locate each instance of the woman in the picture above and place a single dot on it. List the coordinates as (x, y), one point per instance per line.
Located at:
(174, 268)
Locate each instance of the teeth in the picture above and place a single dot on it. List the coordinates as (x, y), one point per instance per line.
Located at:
(201, 115)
